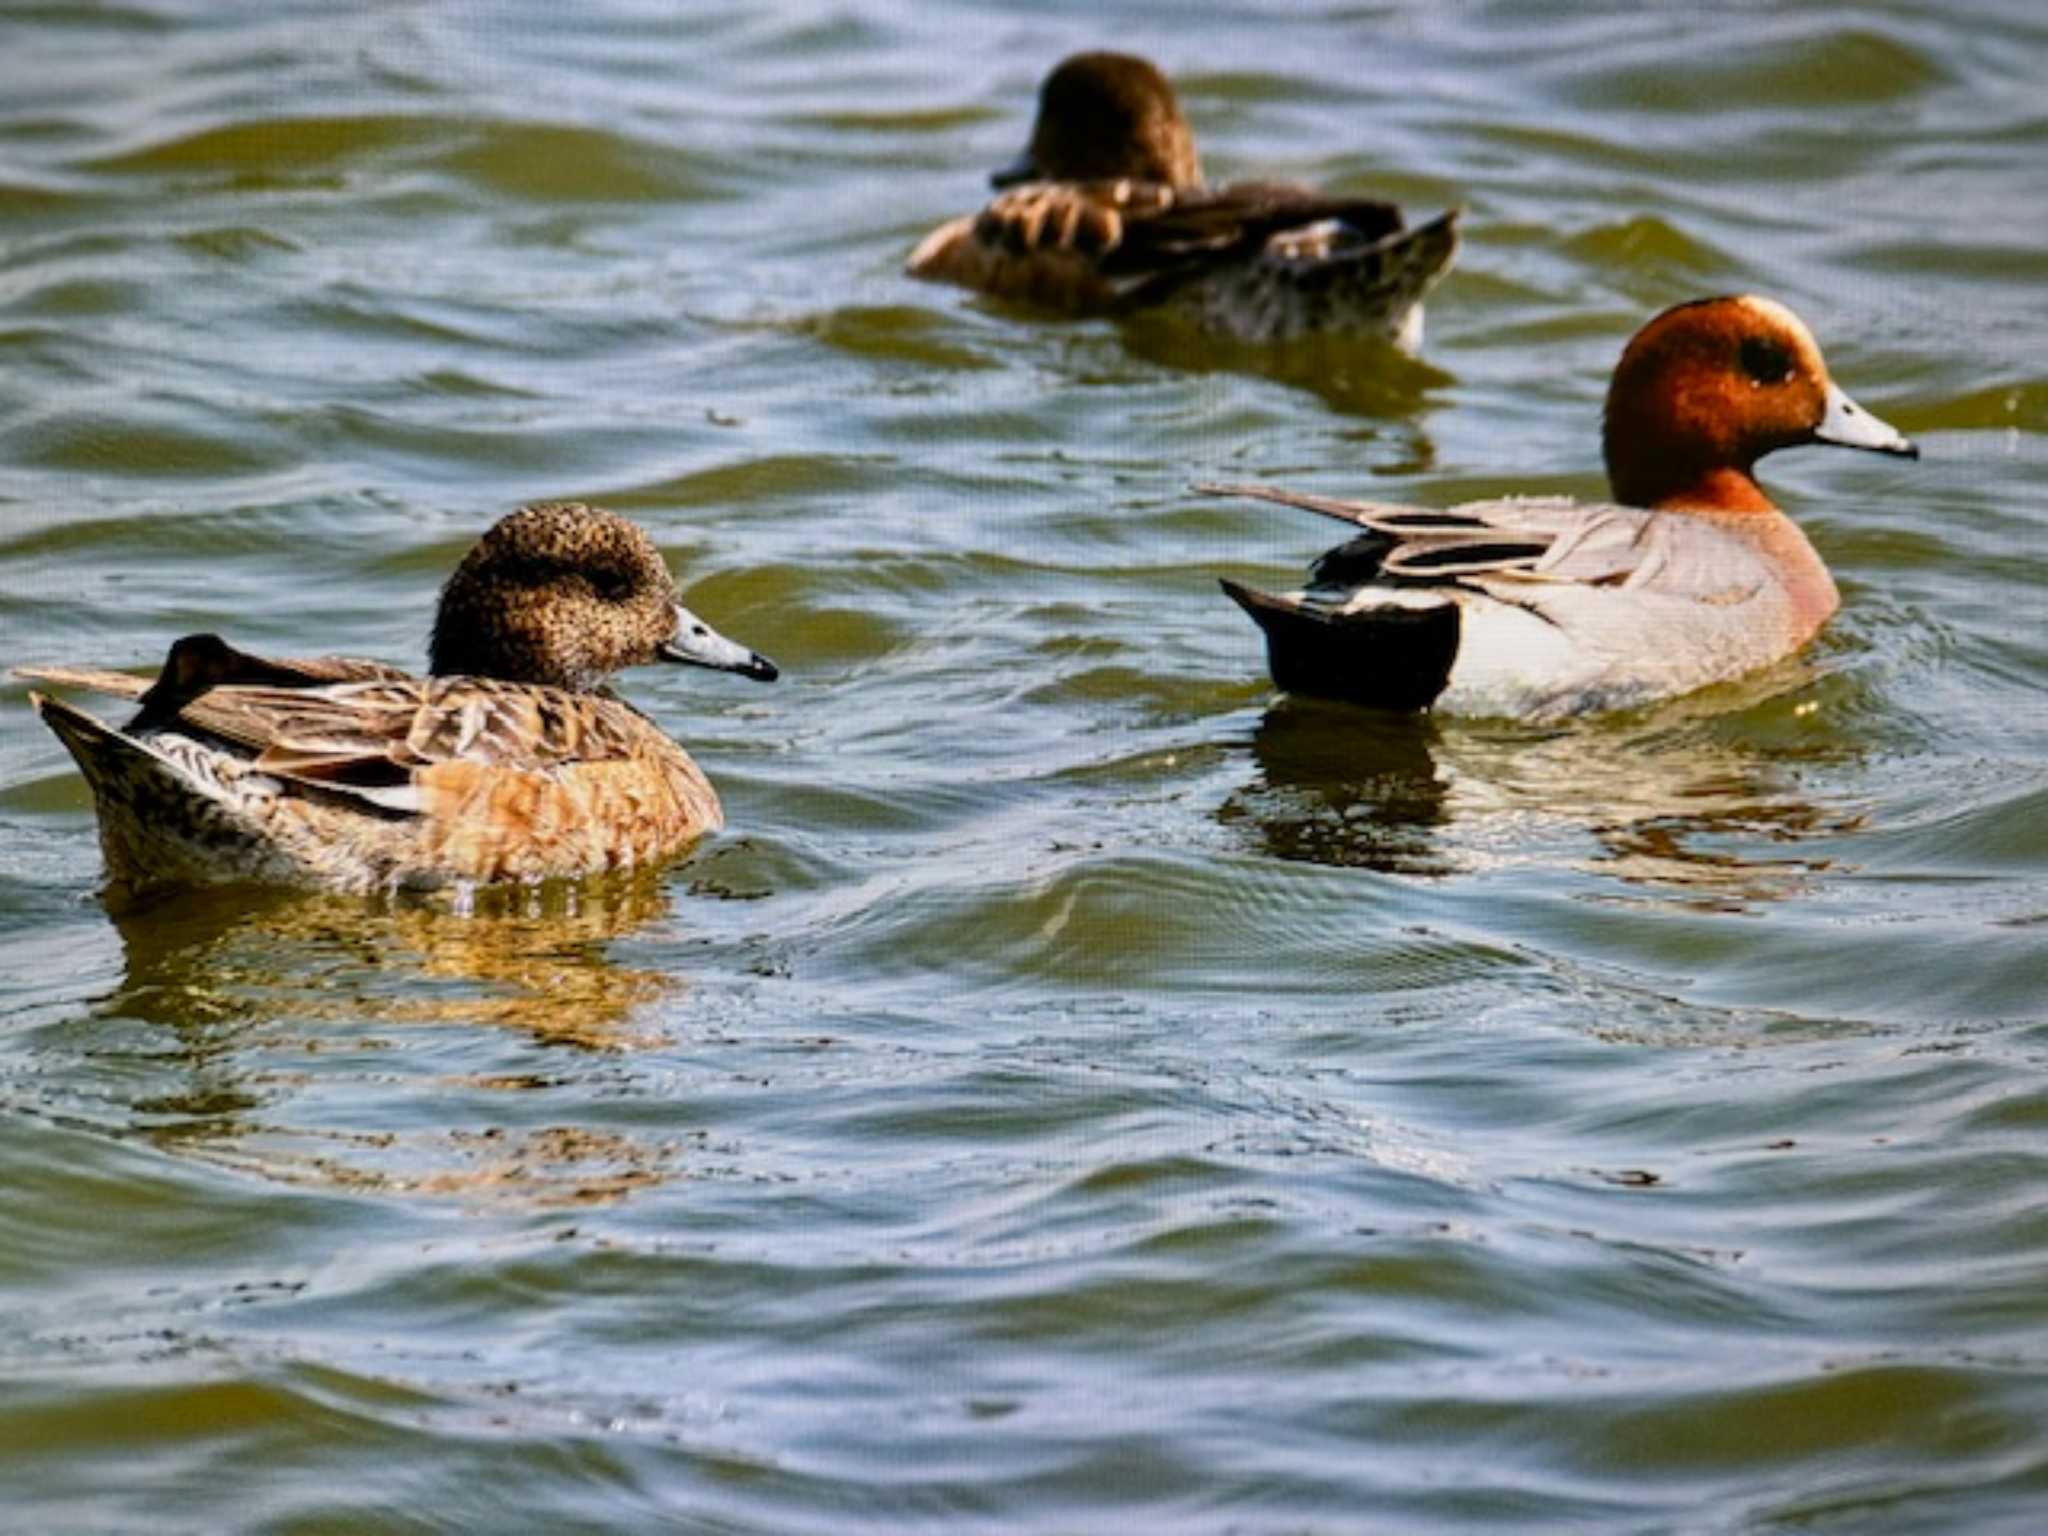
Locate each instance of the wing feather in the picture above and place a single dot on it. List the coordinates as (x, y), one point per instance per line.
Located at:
(379, 735)
(1522, 542)
(1147, 238)
(97, 679)
(1238, 221)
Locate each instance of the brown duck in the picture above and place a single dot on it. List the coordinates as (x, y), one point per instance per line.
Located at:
(511, 761)
(1107, 213)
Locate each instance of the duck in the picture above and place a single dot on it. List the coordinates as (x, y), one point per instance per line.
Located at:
(1543, 608)
(1107, 213)
(511, 761)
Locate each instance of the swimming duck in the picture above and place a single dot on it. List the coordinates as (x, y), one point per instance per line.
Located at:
(1544, 607)
(1106, 213)
(511, 761)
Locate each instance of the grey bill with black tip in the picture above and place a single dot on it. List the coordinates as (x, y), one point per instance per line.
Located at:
(699, 645)
(1846, 424)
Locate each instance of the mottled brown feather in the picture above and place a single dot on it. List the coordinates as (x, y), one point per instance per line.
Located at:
(1116, 219)
(356, 775)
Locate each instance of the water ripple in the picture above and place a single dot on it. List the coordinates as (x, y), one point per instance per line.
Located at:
(1081, 1088)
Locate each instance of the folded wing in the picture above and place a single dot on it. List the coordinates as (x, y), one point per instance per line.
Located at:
(358, 728)
(1516, 547)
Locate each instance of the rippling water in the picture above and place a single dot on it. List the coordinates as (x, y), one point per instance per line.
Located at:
(1080, 1088)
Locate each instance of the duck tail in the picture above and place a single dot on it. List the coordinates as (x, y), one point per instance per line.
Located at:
(1395, 657)
(98, 679)
(113, 763)
(87, 738)
(161, 822)
(1379, 288)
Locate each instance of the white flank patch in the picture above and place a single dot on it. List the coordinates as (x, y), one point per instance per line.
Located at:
(1512, 663)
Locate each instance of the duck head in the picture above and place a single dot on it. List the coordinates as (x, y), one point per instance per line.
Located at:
(1103, 116)
(565, 594)
(1709, 387)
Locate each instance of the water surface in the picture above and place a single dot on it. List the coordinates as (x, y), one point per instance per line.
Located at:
(1081, 1087)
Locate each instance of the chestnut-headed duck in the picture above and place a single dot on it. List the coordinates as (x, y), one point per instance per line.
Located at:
(510, 762)
(1544, 607)
(1106, 213)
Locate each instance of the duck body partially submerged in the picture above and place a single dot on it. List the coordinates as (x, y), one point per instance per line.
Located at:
(1106, 213)
(510, 762)
(1541, 607)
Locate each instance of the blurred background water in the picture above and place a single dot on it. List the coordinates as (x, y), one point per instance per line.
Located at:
(1081, 1087)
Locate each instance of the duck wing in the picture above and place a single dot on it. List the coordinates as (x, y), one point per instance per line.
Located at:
(1128, 243)
(1088, 218)
(198, 662)
(381, 732)
(1042, 242)
(357, 727)
(1237, 221)
(1515, 547)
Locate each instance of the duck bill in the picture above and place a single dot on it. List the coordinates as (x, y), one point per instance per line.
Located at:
(1848, 425)
(1023, 168)
(697, 644)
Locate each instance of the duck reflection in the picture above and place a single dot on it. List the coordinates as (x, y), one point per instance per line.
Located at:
(275, 1000)
(526, 958)
(1678, 803)
(1346, 786)
(1352, 376)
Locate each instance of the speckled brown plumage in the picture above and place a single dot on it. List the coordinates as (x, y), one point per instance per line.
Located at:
(1113, 218)
(510, 763)
(557, 593)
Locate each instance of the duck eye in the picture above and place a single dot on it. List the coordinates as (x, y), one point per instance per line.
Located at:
(612, 586)
(1765, 361)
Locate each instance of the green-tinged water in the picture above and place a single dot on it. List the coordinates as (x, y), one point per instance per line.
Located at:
(1080, 1091)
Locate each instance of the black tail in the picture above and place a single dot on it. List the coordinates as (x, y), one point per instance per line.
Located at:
(1383, 658)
